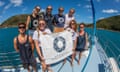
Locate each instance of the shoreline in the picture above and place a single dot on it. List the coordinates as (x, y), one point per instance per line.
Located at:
(107, 30)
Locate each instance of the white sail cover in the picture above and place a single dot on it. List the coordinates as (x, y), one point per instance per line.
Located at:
(57, 46)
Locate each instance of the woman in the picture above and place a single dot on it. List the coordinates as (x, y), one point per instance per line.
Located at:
(24, 45)
(32, 21)
(82, 40)
(36, 37)
(72, 28)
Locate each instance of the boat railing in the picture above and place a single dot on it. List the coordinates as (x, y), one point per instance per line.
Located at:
(118, 59)
(106, 46)
(9, 60)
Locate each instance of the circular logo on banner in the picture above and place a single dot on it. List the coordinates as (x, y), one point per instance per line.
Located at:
(61, 19)
(35, 23)
(59, 44)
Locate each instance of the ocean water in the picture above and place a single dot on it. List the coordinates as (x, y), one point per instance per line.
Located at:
(109, 40)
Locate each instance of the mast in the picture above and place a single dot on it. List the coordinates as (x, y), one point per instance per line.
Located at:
(93, 36)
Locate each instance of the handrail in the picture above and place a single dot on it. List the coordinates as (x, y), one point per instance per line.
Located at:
(104, 59)
(118, 58)
(8, 53)
(103, 40)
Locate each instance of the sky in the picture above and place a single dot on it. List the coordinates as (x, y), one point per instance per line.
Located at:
(83, 11)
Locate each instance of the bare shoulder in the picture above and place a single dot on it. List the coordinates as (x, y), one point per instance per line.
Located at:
(15, 39)
(30, 38)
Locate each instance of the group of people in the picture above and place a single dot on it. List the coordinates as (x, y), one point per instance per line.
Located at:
(47, 23)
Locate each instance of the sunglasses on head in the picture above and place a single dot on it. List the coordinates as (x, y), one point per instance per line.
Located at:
(21, 27)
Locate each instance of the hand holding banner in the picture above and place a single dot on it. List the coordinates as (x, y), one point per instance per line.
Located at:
(56, 47)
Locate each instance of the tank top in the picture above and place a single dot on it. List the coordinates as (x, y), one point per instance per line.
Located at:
(25, 51)
(81, 42)
(34, 22)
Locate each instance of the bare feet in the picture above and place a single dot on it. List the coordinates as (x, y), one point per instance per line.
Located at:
(64, 61)
(49, 69)
(71, 63)
(78, 62)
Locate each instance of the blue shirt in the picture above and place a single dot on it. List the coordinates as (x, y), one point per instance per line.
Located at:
(59, 20)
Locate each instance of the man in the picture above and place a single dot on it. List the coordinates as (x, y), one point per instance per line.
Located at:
(48, 17)
(24, 45)
(32, 21)
(59, 20)
(69, 17)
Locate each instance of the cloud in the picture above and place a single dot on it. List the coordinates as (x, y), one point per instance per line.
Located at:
(77, 15)
(87, 0)
(24, 9)
(1, 3)
(109, 11)
(90, 17)
(42, 10)
(117, 0)
(16, 2)
(1, 17)
(98, 0)
(101, 18)
(78, 5)
(7, 6)
(87, 6)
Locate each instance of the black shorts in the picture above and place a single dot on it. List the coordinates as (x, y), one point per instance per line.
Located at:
(32, 63)
(80, 49)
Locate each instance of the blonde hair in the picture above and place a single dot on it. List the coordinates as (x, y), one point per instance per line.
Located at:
(38, 29)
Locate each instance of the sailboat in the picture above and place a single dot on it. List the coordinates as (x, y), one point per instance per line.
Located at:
(94, 60)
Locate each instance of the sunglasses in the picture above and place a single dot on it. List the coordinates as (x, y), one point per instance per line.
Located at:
(81, 27)
(21, 27)
(41, 24)
(72, 23)
(49, 8)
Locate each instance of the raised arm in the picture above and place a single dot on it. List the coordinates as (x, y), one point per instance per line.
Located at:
(15, 44)
(27, 22)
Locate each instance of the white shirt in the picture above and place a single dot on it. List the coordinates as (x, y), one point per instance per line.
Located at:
(67, 20)
(74, 34)
(35, 34)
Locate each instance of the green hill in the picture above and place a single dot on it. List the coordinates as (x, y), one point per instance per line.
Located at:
(14, 20)
(111, 23)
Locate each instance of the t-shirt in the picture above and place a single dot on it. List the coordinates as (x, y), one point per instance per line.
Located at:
(74, 34)
(35, 35)
(49, 21)
(67, 20)
(59, 20)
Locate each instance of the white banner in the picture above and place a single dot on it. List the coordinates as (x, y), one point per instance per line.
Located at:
(56, 46)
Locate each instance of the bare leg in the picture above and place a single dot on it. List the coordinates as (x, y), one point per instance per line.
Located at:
(43, 66)
(35, 69)
(28, 69)
(80, 54)
(72, 58)
(49, 68)
(64, 61)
